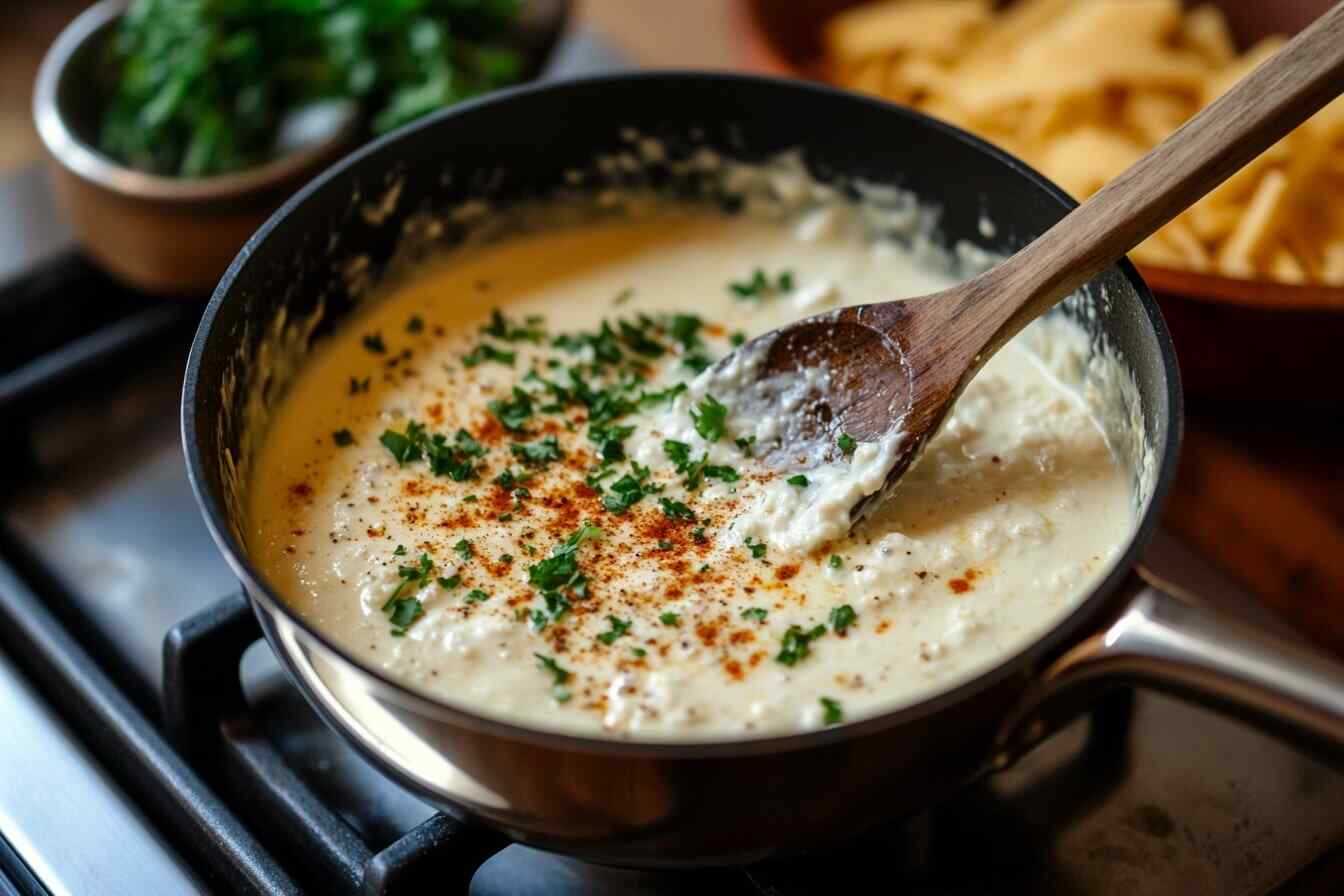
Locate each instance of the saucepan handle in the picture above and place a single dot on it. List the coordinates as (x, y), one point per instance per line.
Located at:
(1167, 643)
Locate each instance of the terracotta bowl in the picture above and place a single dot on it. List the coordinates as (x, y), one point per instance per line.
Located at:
(1236, 339)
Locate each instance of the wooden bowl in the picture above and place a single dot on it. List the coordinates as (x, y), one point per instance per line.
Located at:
(1237, 339)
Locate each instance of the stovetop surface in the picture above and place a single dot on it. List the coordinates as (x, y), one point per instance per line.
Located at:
(1148, 797)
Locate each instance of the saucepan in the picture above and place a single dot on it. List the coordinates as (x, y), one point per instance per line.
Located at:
(669, 804)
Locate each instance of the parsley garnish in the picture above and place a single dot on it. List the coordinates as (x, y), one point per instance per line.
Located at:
(638, 340)
(487, 352)
(639, 652)
(542, 451)
(343, 438)
(755, 614)
(464, 549)
(675, 509)
(629, 490)
(560, 572)
(653, 399)
(710, 421)
(800, 480)
(737, 339)
(757, 548)
(696, 362)
(795, 643)
(698, 533)
(374, 343)
(846, 443)
(400, 551)
(476, 595)
(559, 676)
(402, 611)
(836, 561)
(831, 713)
(618, 628)
(672, 619)
(760, 286)
(500, 328)
(745, 443)
(450, 582)
(842, 617)
(513, 413)
(407, 446)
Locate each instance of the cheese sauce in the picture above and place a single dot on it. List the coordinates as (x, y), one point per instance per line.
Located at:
(509, 485)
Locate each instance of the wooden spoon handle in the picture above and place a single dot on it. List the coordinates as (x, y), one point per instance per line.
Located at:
(1263, 107)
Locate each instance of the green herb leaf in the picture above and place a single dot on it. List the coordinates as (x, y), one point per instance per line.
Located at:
(709, 422)
(618, 628)
(476, 596)
(514, 413)
(542, 451)
(450, 582)
(405, 446)
(671, 619)
(745, 443)
(757, 548)
(800, 480)
(501, 328)
(796, 643)
(464, 549)
(846, 443)
(487, 352)
(842, 617)
(755, 614)
(836, 561)
(639, 652)
(831, 713)
(675, 509)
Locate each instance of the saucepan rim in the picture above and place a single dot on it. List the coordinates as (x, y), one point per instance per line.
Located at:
(1067, 630)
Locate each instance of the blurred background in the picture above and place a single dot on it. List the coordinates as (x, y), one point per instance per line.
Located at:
(99, 535)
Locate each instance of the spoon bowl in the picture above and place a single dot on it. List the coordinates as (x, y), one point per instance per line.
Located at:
(898, 367)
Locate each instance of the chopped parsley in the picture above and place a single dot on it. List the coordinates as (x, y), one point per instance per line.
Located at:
(745, 443)
(653, 399)
(795, 644)
(609, 440)
(513, 413)
(639, 652)
(476, 596)
(737, 339)
(629, 490)
(606, 349)
(685, 329)
(415, 324)
(511, 481)
(500, 328)
(761, 286)
(405, 446)
(842, 617)
(698, 533)
(800, 480)
(403, 611)
(709, 422)
(757, 548)
(671, 619)
(637, 338)
(542, 451)
(560, 573)
(374, 343)
(696, 362)
(675, 509)
(449, 583)
(400, 551)
(831, 713)
(755, 614)
(846, 443)
(836, 561)
(618, 628)
(487, 352)
(464, 549)
(695, 471)
(343, 438)
(559, 675)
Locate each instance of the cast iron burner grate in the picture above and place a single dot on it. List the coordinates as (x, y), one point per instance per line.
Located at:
(207, 717)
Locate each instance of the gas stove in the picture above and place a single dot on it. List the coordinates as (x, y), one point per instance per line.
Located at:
(152, 745)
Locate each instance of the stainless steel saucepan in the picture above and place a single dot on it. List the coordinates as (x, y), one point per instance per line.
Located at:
(669, 804)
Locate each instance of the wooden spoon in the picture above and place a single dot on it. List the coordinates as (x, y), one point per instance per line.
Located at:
(904, 363)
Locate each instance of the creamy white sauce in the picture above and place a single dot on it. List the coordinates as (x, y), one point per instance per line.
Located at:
(1015, 509)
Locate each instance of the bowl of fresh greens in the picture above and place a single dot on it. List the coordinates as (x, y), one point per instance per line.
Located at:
(175, 127)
